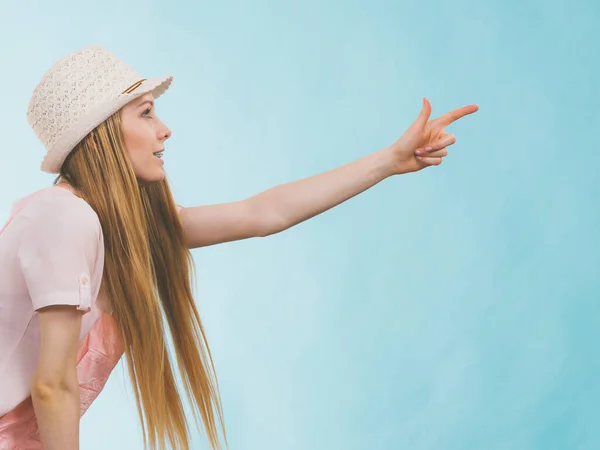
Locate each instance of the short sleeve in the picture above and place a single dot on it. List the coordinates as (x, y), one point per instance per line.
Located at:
(58, 251)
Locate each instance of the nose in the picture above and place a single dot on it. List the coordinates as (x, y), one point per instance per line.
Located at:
(165, 132)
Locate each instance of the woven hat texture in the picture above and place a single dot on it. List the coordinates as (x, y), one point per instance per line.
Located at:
(77, 94)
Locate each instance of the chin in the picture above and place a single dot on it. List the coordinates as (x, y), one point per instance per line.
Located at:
(150, 177)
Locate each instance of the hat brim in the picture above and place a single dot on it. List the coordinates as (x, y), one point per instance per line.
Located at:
(155, 86)
(64, 144)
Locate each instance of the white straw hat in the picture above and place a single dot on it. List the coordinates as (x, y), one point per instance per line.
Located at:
(77, 94)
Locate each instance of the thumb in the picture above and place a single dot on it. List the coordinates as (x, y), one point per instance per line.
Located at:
(423, 117)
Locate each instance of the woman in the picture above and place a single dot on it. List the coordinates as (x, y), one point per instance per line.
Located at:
(89, 265)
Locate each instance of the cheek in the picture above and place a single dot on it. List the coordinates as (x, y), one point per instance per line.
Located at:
(139, 141)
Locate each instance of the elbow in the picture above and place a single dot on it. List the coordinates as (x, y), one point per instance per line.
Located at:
(45, 390)
(263, 220)
(271, 224)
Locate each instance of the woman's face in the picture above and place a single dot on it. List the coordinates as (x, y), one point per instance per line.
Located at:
(144, 135)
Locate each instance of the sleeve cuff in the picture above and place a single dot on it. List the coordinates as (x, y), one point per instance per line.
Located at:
(82, 298)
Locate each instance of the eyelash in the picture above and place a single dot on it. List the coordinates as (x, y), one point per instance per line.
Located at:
(147, 112)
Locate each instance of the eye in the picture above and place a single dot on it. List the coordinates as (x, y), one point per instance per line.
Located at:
(146, 112)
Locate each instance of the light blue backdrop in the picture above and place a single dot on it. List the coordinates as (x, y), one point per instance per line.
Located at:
(456, 308)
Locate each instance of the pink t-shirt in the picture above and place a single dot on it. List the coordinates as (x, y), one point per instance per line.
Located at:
(51, 253)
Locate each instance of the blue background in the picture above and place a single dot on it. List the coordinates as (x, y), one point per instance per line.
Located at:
(454, 308)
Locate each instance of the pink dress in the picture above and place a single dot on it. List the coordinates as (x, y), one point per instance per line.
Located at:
(99, 352)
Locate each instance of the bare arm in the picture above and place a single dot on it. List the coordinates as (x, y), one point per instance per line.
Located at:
(225, 222)
(289, 204)
(55, 387)
(284, 206)
(423, 144)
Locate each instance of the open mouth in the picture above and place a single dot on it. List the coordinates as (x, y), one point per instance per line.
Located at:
(158, 155)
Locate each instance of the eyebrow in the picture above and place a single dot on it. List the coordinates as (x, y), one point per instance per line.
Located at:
(146, 101)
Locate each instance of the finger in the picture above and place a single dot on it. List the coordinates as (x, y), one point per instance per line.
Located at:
(429, 160)
(445, 141)
(423, 116)
(453, 116)
(437, 153)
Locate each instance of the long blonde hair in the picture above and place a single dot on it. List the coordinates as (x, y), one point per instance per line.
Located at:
(148, 271)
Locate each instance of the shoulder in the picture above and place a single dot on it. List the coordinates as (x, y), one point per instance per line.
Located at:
(61, 211)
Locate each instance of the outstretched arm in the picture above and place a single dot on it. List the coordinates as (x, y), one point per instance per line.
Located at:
(279, 208)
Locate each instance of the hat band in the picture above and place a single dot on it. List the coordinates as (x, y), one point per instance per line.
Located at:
(133, 87)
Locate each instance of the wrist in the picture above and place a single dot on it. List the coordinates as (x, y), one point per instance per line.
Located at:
(395, 165)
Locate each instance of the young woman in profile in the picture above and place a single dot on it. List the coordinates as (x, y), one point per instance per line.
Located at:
(89, 265)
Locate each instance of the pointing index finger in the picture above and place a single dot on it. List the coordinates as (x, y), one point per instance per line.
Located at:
(453, 116)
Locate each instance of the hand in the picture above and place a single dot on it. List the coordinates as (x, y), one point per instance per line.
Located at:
(424, 143)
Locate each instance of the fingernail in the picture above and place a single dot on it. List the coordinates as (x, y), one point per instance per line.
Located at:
(418, 152)
(428, 149)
